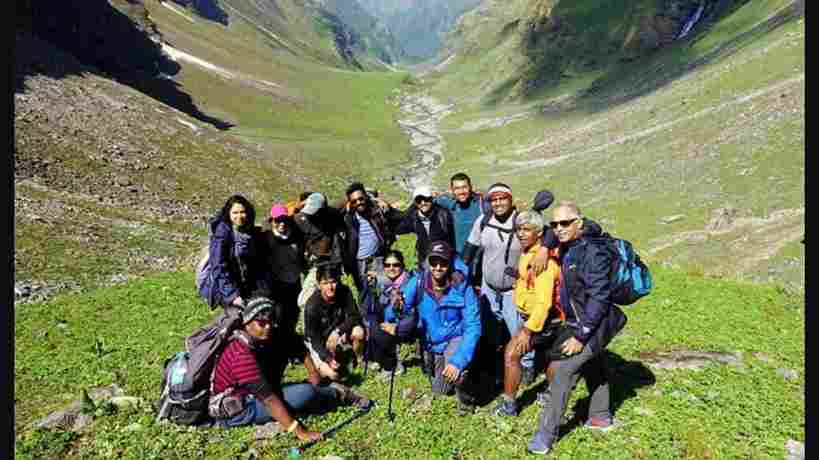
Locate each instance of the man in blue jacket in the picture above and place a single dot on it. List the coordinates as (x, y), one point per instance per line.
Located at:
(449, 323)
(585, 296)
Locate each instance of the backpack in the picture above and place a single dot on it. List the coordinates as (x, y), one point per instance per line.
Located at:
(202, 269)
(630, 278)
(187, 376)
(476, 269)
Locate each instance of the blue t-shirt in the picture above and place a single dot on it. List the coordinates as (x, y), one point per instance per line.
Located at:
(367, 238)
(463, 217)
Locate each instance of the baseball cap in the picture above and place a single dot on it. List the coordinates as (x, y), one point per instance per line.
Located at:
(422, 190)
(278, 210)
(440, 249)
(313, 203)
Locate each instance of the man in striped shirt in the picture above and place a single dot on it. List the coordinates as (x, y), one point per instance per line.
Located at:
(247, 381)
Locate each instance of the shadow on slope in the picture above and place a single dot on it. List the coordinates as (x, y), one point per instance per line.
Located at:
(208, 9)
(615, 87)
(101, 40)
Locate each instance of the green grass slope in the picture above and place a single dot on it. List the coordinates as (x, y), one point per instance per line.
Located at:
(721, 411)
(658, 147)
(157, 173)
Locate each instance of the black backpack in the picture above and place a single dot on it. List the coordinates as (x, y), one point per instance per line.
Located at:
(187, 376)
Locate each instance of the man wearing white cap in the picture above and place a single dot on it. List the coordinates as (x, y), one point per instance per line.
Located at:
(429, 221)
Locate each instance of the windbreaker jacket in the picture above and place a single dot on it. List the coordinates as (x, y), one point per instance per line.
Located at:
(227, 281)
(456, 315)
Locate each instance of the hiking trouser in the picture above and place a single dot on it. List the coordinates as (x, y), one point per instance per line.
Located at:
(563, 375)
(287, 294)
(502, 305)
(372, 263)
(298, 398)
(464, 386)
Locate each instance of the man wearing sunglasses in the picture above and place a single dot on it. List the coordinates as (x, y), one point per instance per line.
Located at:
(428, 221)
(369, 234)
(247, 379)
(449, 323)
(585, 294)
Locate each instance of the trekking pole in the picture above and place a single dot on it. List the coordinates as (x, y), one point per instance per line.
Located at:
(390, 415)
(294, 453)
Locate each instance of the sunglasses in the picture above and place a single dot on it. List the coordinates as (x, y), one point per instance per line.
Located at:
(360, 199)
(420, 199)
(562, 223)
(391, 265)
(439, 263)
(280, 220)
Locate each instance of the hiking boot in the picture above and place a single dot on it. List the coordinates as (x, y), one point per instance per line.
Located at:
(528, 376)
(385, 375)
(349, 396)
(464, 409)
(507, 407)
(602, 424)
(540, 443)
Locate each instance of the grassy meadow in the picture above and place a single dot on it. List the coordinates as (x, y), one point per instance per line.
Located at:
(123, 334)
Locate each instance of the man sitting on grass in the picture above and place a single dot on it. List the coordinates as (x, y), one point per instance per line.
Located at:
(247, 380)
(449, 323)
(332, 324)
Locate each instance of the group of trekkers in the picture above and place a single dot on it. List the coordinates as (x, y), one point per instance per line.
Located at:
(497, 296)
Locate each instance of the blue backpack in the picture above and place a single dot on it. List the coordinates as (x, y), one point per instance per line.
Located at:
(629, 276)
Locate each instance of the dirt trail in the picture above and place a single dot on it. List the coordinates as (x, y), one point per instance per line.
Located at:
(427, 145)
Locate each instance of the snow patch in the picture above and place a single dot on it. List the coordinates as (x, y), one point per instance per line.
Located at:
(190, 125)
(178, 55)
(177, 11)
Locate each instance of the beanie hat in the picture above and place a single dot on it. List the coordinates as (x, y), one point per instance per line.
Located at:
(255, 307)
